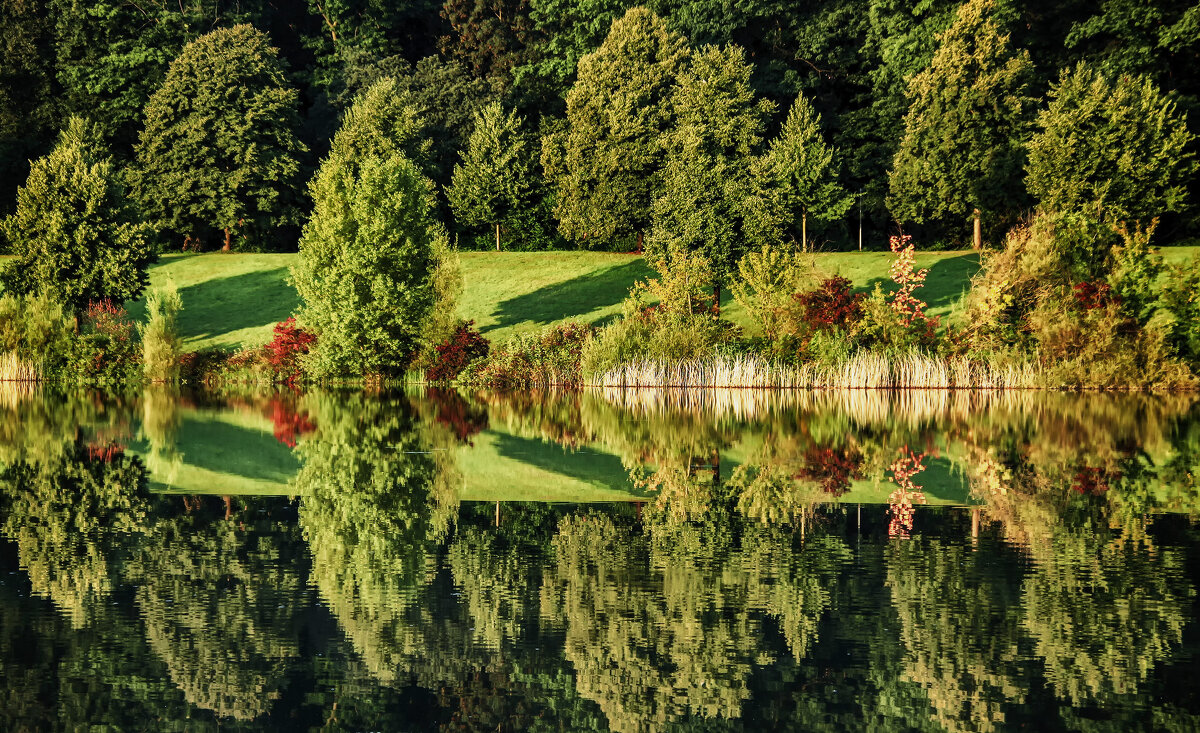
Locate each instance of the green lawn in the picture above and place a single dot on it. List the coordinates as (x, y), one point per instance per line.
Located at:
(233, 300)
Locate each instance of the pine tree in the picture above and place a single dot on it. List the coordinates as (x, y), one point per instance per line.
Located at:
(1119, 144)
(799, 176)
(708, 179)
(367, 258)
(607, 166)
(962, 146)
(219, 151)
(75, 234)
(495, 177)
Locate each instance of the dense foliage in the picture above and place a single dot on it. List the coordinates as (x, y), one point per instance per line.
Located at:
(75, 234)
(218, 157)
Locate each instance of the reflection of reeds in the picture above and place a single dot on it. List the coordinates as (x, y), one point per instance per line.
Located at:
(861, 371)
(14, 368)
(865, 406)
(12, 393)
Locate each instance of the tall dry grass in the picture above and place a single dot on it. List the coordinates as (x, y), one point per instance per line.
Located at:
(14, 368)
(861, 371)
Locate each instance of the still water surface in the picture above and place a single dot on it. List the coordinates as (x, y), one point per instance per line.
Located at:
(624, 561)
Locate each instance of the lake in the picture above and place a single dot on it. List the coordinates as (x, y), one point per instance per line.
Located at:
(620, 560)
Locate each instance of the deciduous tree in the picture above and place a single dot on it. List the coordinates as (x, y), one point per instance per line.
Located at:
(1114, 143)
(219, 150)
(607, 165)
(963, 135)
(495, 178)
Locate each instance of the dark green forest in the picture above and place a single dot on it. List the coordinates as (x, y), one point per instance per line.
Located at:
(916, 140)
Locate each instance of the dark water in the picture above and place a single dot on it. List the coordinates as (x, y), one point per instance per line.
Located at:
(628, 562)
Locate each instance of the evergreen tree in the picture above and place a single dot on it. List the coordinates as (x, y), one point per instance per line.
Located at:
(367, 258)
(962, 145)
(1115, 143)
(495, 177)
(219, 150)
(800, 175)
(708, 179)
(74, 233)
(607, 166)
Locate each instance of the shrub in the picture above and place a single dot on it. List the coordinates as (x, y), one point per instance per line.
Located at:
(160, 336)
(38, 330)
(283, 354)
(205, 365)
(830, 306)
(105, 349)
(1181, 299)
(672, 318)
(464, 346)
(767, 280)
(551, 358)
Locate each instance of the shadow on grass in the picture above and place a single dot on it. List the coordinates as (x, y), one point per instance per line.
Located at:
(242, 301)
(575, 297)
(949, 278)
(583, 464)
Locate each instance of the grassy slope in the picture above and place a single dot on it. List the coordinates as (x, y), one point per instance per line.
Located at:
(233, 300)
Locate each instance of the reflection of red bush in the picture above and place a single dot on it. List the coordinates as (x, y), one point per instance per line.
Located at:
(289, 423)
(455, 413)
(907, 493)
(1093, 481)
(105, 452)
(832, 468)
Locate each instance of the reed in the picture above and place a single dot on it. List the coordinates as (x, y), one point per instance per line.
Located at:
(14, 368)
(861, 371)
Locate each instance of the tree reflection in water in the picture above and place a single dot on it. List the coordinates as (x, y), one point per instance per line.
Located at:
(740, 590)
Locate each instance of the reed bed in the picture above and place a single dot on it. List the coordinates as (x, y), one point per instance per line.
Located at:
(861, 371)
(14, 368)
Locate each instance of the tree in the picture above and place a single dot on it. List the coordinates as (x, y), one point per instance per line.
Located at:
(219, 150)
(75, 234)
(366, 265)
(26, 92)
(607, 165)
(1115, 143)
(800, 171)
(962, 146)
(567, 30)
(495, 177)
(489, 36)
(720, 123)
(383, 121)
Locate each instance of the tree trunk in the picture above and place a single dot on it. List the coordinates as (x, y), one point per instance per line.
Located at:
(226, 248)
(639, 241)
(804, 232)
(717, 299)
(978, 240)
(497, 236)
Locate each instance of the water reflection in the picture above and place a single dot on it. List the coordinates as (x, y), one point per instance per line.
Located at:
(628, 561)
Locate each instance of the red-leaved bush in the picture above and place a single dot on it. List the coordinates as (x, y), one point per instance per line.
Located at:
(832, 305)
(464, 346)
(284, 352)
(1090, 296)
